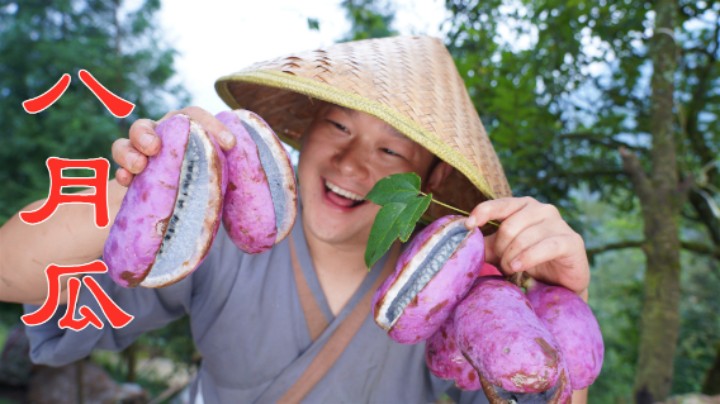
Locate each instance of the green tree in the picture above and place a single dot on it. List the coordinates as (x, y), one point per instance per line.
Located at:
(620, 97)
(42, 40)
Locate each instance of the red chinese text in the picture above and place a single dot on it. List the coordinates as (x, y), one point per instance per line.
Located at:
(56, 197)
(48, 98)
(117, 317)
(119, 107)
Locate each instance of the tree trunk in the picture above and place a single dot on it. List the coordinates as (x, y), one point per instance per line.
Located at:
(660, 319)
(660, 200)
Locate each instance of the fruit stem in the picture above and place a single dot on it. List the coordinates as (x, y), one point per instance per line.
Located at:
(492, 222)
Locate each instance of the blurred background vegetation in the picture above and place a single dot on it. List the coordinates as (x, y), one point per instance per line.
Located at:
(607, 109)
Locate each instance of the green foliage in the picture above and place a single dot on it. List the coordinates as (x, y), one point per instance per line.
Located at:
(369, 19)
(9, 317)
(524, 84)
(615, 294)
(39, 42)
(700, 330)
(616, 291)
(561, 87)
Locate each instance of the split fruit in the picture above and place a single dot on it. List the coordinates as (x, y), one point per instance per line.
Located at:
(432, 275)
(261, 199)
(171, 212)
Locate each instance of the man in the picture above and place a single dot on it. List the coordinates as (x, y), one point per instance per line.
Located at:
(365, 110)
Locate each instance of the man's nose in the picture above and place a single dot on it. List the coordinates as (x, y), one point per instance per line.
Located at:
(353, 160)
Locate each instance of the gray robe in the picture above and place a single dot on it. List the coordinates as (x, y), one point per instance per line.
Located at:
(250, 329)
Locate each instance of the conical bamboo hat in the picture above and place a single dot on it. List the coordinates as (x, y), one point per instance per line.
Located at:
(409, 82)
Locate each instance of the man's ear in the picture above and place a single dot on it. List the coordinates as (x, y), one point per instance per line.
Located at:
(437, 176)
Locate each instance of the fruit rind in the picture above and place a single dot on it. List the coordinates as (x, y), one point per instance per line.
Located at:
(444, 359)
(571, 321)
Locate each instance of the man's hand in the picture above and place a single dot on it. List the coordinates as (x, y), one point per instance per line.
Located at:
(132, 153)
(534, 238)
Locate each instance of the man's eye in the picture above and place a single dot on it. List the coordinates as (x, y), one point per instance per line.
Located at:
(338, 125)
(390, 152)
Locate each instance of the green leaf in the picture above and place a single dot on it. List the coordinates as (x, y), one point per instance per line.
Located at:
(395, 188)
(411, 214)
(383, 233)
(401, 209)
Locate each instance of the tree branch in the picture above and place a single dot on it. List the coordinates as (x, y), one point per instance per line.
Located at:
(632, 166)
(598, 173)
(705, 214)
(601, 140)
(701, 248)
(695, 247)
(701, 50)
(620, 245)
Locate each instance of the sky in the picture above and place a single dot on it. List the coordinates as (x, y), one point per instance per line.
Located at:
(220, 37)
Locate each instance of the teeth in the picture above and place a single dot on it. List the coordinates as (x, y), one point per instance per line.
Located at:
(342, 192)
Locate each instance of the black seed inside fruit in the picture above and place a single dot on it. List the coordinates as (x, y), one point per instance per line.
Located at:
(187, 221)
(421, 275)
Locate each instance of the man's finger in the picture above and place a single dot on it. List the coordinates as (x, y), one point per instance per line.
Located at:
(210, 124)
(557, 249)
(143, 137)
(497, 210)
(515, 226)
(510, 249)
(127, 157)
(123, 177)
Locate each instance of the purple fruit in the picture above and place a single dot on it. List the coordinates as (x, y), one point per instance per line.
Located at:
(444, 359)
(574, 327)
(500, 335)
(170, 214)
(432, 275)
(261, 199)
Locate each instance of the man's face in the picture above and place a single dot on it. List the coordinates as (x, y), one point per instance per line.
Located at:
(344, 153)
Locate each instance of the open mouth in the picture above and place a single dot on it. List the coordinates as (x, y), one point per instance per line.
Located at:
(342, 197)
